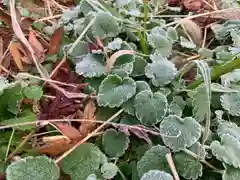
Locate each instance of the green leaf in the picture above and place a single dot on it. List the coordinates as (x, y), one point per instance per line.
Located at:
(231, 173)
(85, 7)
(115, 143)
(81, 49)
(128, 106)
(91, 65)
(178, 133)
(156, 175)
(187, 166)
(24, 117)
(159, 40)
(153, 159)
(123, 70)
(105, 25)
(3, 84)
(196, 147)
(230, 129)
(83, 161)
(206, 53)
(138, 66)
(114, 91)
(104, 113)
(34, 168)
(115, 44)
(172, 33)
(33, 92)
(186, 43)
(150, 108)
(161, 70)
(174, 109)
(199, 103)
(231, 103)
(227, 150)
(109, 170)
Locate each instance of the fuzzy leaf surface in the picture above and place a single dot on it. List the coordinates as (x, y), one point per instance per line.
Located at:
(83, 161)
(91, 66)
(231, 103)
(231, 173)
(179, 133)
(230, 129)
(150, 108)
(187, 166)
(109, 170)
(115, 143)
(114, 91)
(154, 158)
(227, 150)
(34, 168)
(161, 71)
(156, 175)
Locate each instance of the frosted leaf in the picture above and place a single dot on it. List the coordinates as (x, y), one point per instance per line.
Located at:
(231, 103)
(161, 71)
(83, 161)
(178, 133)
(115, 143)
(138, 66)
(109, 170)
(114, 91)
(186, 43)
(115, 44)
(154, 158)
(230, 129)
(156, 175)
(231, 173)
(227, 151)
(172, 33)
(34, 168)
(91, 66)
(150, 108)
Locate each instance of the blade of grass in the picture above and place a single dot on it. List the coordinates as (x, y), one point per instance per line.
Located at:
(9, 144)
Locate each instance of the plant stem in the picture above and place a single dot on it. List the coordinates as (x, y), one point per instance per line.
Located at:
(145, 11)
(172, 166)
(202, 160)
(143, 42)
(81, 36)
(218, 71)
(9, 145)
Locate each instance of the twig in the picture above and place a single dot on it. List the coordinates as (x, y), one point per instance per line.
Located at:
(21, 144)
(172, 166)
(9, 144)
(88, 137)
(49, 18)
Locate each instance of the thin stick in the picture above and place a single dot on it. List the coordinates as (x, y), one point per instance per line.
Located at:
(9, 144)
(89, 136)
(172, 166)
(204, 37)
(21, 144)
(49, 18)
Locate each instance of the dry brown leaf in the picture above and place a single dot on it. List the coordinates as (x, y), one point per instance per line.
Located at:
(228, 14)
(54, 145)
(67, 130)
(36, 45)
(6, 18)
(16, 55)
(55, 41)
(110, 62)
(193, 30)
(89, 113)
(192, 5)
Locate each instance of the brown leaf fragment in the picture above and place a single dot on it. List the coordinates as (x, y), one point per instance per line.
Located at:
(6, 18)
(16, 55)
(54, 145)
(36, 45)
(193, 30)
(55, 41)
(192, 5)
(67, 130)
(89, 113)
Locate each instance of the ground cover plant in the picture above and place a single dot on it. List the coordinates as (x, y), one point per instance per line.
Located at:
(119, 89)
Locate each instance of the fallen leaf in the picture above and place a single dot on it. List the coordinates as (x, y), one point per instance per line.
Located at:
(89, 114)
(227, 14)
(36, 45)
(110, 62)
(193, 30)
(6, 18)
(67, 130)
(54, 145)
(192, 5)
(16, 55)
(55, 41)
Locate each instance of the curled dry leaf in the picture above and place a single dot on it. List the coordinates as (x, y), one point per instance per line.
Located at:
(54, 145)
(113, 58)
(55, 41)
(193, 30)
(36, 45)
(67, 130)
(89, 114)
(16, 55)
